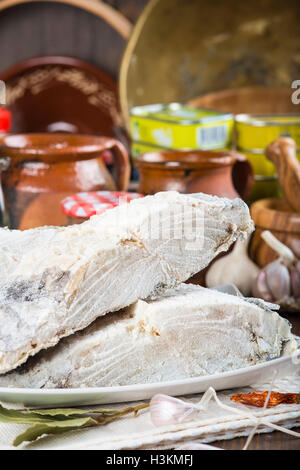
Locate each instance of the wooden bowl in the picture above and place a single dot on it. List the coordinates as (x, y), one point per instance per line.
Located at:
(274, 215)
(249, 100)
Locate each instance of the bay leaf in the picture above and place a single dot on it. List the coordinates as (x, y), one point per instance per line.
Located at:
(36, 416)
(53, 427)
(15, 416)
(74, 411)
(60, 420)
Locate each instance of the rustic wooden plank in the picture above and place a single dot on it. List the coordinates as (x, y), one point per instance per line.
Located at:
(42, 28)
(270, 441)
(130, 8)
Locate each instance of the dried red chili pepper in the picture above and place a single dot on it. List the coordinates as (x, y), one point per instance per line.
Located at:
(258, 398)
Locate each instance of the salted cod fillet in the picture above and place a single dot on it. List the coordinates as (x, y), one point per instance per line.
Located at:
(55, 281)
(189, 331)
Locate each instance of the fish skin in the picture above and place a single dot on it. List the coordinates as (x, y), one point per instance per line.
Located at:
(56, 281)
(189, 331)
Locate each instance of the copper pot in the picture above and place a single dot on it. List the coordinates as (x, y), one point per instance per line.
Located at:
(47, 167)
(225, 174)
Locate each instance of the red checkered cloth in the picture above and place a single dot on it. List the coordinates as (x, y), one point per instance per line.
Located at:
(94, 203)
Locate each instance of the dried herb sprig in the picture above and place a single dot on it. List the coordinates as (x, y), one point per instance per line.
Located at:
(58, 421)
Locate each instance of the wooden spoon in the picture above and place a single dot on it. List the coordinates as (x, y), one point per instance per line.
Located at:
(282, 152)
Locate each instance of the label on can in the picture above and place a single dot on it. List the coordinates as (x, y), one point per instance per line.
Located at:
(180, 127)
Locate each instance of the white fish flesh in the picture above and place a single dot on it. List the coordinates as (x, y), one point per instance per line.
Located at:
(56, 281)
(189, 331)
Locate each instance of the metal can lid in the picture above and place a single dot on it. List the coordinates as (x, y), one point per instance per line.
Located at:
(177, 113)
(5, 120)
(86, 204)
(266, 120)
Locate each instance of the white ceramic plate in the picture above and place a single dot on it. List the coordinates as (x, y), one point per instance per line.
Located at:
(101, 395)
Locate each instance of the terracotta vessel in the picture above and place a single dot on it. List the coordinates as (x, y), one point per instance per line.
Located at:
(47, 167)
(39, 92)
(225, 174)
(274, 215)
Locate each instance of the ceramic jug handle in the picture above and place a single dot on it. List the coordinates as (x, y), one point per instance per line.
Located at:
(4, 163)
(242, 175)
(121, 161)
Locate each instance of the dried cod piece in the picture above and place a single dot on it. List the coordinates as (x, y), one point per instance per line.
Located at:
(55, 281)
(189, 331)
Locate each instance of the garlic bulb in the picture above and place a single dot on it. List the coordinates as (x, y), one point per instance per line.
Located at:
(235, 268)
(279, 281)
(196, 446)
(166, 410)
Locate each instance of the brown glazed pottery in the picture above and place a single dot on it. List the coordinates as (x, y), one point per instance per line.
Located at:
(274, 215)
(45, 168)
(61, 94)
(225, 174)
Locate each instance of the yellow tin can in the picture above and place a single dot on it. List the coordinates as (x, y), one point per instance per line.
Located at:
(177, 127)
(253, 134)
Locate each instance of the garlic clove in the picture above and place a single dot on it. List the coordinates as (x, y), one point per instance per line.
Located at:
(295, 280)
(196, 446)
(166, 410)
(278, 280)
(261, 289)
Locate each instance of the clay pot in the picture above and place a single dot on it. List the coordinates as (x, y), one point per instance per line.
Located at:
(45, 168)
(225, 174)
(274, 215)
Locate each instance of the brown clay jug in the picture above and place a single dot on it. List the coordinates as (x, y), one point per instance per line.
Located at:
(45, 168)
(224, 174)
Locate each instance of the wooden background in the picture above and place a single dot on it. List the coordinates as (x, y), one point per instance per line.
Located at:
(43, 28)
(130, 8)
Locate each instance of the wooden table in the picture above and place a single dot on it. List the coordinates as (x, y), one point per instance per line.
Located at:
(273, 440)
